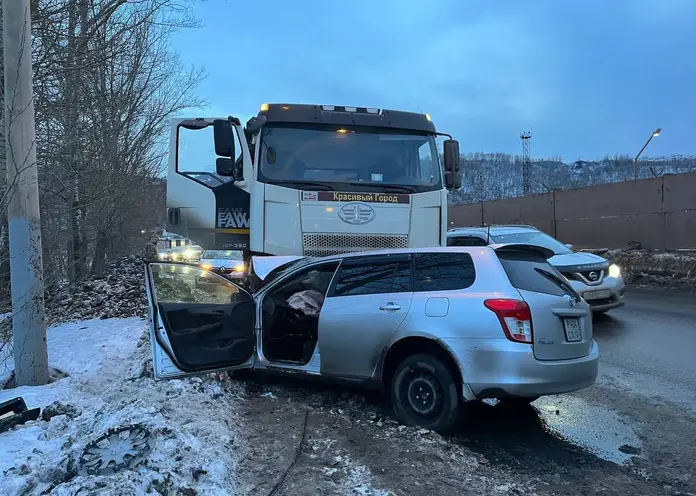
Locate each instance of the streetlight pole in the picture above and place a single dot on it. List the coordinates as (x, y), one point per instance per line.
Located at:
(635, 160)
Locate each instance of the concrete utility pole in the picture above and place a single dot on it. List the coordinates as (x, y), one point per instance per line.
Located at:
(26, 269)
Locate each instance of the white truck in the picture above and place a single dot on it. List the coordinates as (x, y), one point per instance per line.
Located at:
(310, 180)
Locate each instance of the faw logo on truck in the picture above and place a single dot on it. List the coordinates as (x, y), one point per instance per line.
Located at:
(232, 218)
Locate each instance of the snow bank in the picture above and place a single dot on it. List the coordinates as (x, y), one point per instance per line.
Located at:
(672, 270)
(109, 384)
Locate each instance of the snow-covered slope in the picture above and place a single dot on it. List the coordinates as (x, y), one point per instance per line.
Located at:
(109, 385)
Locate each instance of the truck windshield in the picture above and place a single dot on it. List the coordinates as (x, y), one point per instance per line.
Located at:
(356, 158)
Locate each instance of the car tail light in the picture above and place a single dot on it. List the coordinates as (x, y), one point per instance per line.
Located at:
(515, 317)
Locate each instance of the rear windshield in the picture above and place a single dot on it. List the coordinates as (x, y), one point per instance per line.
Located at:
(531, 272)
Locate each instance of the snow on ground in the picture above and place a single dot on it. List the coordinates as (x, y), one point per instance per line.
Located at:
(111, 385)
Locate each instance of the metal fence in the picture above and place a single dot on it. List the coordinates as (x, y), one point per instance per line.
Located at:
(659, 213)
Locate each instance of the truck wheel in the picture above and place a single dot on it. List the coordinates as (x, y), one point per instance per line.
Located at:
(424, 394)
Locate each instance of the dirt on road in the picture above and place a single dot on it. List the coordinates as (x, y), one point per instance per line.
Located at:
(351, 445)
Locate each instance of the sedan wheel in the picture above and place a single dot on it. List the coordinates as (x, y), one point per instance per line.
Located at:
(424, 394)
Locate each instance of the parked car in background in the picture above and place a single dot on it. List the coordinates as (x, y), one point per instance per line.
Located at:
(597, 280)
(164, 254)
(227, 263)
(432, 327)
(193, 253)
(185, 253)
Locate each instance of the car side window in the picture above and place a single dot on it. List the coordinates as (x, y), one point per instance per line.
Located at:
(374, 278)
(444, 271)
(177, 284)
(465, 241)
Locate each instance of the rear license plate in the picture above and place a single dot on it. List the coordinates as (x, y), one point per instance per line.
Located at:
(596, 295)
(572, 330)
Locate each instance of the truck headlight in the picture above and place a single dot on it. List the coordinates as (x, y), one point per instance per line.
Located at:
(614, 270)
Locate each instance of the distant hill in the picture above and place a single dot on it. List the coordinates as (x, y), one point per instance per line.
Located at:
(493, 176)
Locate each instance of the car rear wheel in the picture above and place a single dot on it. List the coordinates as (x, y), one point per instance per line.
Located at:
(424, 393)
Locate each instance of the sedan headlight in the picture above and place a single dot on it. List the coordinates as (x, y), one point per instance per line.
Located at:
(614, 270)
(239, 268)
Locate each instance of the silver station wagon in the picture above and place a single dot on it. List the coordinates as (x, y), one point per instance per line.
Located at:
(431, 327)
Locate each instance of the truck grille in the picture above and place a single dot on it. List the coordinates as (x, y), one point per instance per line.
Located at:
(322, 245)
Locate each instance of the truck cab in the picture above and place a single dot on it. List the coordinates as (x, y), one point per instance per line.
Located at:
(310, 180)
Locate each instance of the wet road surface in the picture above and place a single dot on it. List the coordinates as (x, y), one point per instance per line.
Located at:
(649, 345)
(641, 413)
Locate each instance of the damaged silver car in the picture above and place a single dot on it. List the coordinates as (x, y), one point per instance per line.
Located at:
(432, 327)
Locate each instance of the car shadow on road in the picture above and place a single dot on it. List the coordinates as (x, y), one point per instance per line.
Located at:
(604, 325)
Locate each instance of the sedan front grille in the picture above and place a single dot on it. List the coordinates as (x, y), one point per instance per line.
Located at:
(322, 245)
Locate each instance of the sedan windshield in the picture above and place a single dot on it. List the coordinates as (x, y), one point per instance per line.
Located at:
(224, 254)
(356, 158)
(537, 238)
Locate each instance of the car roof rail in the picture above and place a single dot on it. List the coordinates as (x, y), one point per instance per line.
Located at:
(484, 226)
(511, 225)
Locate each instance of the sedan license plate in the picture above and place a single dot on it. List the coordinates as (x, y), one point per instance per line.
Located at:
(596, 295)
(572, 330)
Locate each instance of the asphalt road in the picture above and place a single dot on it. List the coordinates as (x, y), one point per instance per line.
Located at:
(641, 413)
(649, 345)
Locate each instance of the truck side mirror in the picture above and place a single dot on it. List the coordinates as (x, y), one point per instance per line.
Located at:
(224, 138)
(227, 167)
(452, 157)
(453, 180)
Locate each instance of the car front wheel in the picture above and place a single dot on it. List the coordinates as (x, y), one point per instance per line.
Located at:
(424, 393)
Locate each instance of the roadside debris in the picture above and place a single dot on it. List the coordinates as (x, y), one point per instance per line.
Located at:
(642, 267)
(118, 292)
(117, 449)
(19, 413)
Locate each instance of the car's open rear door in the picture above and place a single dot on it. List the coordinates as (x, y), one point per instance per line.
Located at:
(199, 322)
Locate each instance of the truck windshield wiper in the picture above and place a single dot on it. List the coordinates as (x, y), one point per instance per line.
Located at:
(311, 184)
(564, 285)
(392, 188)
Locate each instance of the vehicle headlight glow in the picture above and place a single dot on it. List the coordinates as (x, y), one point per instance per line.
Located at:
(206, 266)
(239, 268)
(614, 270)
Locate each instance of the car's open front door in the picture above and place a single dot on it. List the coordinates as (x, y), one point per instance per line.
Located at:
(199, 322)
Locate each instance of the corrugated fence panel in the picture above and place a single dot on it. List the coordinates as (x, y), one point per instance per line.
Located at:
(659, 213)
(613, 232)
(679, 192)
(680, 230)
(525, 209)
(465, 215)
(606, 200)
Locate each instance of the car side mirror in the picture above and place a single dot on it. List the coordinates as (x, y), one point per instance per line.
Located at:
(452, 157)
(224, 138)
(453, 180)
(569, 246)
(228, 168)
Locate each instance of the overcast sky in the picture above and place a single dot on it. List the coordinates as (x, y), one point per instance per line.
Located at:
(588, 78)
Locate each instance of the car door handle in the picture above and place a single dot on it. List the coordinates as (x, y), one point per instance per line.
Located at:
(390, 307)
(219, 313)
